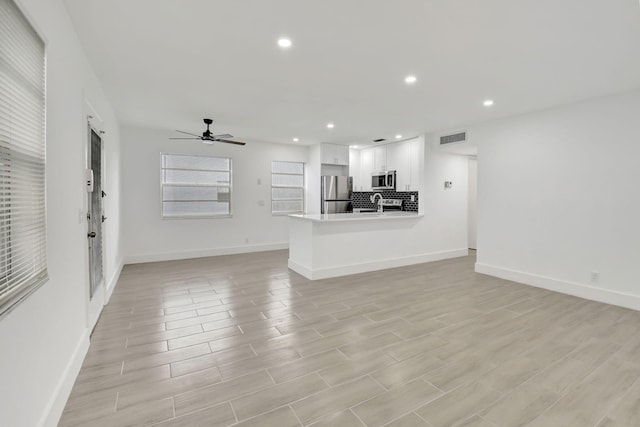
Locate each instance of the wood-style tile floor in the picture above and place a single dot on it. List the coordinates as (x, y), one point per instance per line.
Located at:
(241, 340)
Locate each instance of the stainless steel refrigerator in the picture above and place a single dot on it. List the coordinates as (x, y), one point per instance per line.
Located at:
(336, 194)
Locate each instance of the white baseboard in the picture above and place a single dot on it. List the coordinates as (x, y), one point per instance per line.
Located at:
(383, 264)
(173, 256)
(111, 284)
(570, 288)
(53, 411)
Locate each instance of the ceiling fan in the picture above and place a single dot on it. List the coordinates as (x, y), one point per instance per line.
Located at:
(208, 138)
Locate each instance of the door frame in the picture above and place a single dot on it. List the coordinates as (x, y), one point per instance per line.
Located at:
(95, 303)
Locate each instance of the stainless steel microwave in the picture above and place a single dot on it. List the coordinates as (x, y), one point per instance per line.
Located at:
(383, 180)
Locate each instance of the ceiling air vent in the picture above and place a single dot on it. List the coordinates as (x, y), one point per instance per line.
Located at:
(456, 137)
(379, 140)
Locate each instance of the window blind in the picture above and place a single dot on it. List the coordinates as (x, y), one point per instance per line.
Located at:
(195, 186)
(23, 264)
(287, 187)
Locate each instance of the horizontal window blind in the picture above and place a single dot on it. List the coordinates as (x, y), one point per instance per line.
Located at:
(23, 262)
(287, 187)
(195, 186)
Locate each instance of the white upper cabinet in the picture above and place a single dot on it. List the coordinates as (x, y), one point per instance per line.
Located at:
(415, 156)
(379, 158)
(403, 157)
(399, 159)
(334, 154)
(366, 168)
(355, 169)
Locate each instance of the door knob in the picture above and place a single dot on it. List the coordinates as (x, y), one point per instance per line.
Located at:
(91, 234)
(104, 218)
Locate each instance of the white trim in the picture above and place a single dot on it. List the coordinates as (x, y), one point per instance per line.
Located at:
(563, 286)
(300, 269)
(345, 270)
(172, 256)
(53, 411)
(111, 285)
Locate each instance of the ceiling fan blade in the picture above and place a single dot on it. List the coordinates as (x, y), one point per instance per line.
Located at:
(186, 138)
(188, 133)
(224, 135)
(231, 142)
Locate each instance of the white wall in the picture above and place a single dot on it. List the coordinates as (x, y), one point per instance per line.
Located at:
(558, 198)
(445, 209)
(45, 338)
(473, 202)
(148, 237)
(314, 171)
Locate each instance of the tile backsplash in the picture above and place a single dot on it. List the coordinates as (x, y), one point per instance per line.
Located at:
(361, 199)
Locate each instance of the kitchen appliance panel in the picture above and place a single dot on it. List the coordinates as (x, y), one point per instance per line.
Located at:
(337, 187)
(331, 207)
(336, 192)
(383, 180)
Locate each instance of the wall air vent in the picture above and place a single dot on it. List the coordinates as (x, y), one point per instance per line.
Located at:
(379, 140)
(456, 137)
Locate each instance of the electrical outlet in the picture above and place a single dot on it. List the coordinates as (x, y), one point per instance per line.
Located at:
(413, 197)
(259, 181)
(595, 277)
(260, 202)
(246, 240)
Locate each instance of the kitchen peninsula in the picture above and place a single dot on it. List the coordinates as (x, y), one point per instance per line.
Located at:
(323, 246)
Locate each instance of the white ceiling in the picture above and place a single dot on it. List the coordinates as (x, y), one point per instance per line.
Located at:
(166, 64)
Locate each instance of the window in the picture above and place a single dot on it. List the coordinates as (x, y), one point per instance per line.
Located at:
(287, 187)
(23, 257)
(195, 186)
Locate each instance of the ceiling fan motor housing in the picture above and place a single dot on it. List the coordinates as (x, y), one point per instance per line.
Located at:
(207, 133)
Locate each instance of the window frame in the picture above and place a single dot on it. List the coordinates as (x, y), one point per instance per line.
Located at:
(19, 285)
(183, 217)
(303, 187)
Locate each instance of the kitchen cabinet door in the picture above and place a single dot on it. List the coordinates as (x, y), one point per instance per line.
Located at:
(380, 158)
(393, 154)
(342, 155)
(366, 168)
(400, 161)
(415, 157)
(328, 154)
(355, 169)
(333, 154)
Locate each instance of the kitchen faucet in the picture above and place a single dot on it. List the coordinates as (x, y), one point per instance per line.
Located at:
(373, 200)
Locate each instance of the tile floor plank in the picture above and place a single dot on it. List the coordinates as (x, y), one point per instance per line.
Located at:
(242, 340)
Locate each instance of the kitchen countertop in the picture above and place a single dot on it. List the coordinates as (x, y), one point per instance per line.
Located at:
(363, 216)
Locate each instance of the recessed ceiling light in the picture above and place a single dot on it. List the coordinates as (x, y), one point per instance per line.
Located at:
(284, 42)
(410, 79)
(398, 136)
(353, 146)
(330, 125)
(488, 103)
(296, 139)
